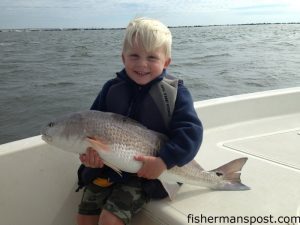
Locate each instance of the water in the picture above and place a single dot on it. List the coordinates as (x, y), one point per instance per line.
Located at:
(49, 73)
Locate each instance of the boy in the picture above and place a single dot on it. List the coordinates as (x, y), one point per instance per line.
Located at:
(145, 92)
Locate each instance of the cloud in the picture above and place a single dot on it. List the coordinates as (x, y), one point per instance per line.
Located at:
(122, 5)
(116, 13)
(139, 6)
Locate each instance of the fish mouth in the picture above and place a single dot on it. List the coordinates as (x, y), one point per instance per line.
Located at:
(46, 138)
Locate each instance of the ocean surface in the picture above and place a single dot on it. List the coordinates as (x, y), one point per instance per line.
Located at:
(44, 74)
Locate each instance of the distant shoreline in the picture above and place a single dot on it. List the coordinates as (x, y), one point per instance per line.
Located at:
(121, 28)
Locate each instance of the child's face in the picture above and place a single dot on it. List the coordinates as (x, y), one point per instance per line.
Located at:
(143, 67)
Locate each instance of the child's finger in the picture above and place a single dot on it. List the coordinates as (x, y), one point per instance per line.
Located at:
(82, 158)
(98, 162)
(140, 158)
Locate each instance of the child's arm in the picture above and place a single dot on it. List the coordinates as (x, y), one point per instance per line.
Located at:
(185, 139)
(185, 133)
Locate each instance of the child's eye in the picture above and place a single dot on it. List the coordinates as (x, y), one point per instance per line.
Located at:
(134, 56)
(152, 58)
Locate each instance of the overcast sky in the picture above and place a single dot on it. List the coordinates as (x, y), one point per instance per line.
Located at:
(113, 13)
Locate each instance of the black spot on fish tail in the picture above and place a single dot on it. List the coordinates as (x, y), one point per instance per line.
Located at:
(230, 173)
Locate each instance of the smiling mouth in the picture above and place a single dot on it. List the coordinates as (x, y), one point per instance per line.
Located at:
(142, 73)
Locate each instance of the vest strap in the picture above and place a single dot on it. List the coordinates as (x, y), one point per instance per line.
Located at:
(164, 94)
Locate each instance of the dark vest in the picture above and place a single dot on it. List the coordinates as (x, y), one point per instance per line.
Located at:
(152, 106)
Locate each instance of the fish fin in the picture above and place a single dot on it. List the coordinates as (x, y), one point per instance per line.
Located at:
(231, 173)
(233, 166)
(196, 165)
(113, 167)
(171, 188)
(98, 143)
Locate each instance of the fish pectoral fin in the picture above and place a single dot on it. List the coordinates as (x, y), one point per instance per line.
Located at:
(171, 188)
(101, 145)
(113, 167)
(98, 143)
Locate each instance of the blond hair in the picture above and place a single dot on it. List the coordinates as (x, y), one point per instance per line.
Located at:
(150, 33)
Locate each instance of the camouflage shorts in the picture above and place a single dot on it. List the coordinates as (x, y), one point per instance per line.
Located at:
(123, 200)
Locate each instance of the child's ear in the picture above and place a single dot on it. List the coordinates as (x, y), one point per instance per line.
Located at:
(167, 63)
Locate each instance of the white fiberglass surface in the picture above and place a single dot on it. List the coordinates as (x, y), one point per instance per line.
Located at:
(280, 147)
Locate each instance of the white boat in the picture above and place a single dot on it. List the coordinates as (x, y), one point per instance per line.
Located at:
(38, 182)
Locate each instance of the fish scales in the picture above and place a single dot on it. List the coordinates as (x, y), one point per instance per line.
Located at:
(128, 134)
(125, 138)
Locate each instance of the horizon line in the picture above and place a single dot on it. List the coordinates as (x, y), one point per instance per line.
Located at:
(122, 28)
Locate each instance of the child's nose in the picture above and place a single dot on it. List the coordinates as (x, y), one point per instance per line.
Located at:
(143, 62)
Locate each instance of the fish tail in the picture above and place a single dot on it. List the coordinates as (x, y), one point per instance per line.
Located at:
(231, 173)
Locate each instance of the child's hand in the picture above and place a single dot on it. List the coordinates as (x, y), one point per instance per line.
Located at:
(91, 159)
(152, 166)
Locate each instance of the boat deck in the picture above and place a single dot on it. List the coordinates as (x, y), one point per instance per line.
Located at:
(265, 127)
(272, 172)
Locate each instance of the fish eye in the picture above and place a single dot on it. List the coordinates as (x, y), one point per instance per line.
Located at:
(51, 124)
(219, 174)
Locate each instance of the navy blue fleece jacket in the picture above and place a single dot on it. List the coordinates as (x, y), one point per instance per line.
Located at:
(185, 130)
